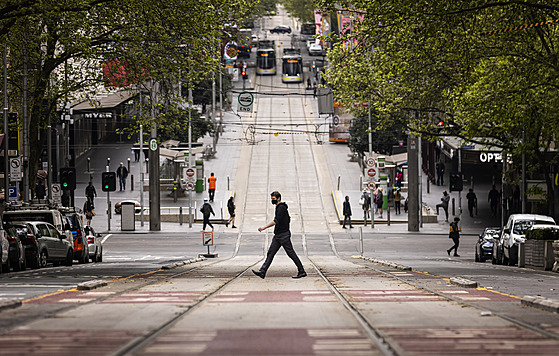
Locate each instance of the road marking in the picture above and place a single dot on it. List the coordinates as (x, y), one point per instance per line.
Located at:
(105, 239)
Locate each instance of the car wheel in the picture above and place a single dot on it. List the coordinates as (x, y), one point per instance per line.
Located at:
(476, 258)
(504, 259)
(94, 258)
(100, 257)
(43, 259)
(35, 263)
(85, 257)
(7, 266)
(69, 258)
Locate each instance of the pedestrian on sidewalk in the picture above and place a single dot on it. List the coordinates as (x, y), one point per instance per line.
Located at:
(211, 186)
(122, 174)
(397, 200)
(282, 238)
(454, 234)
(88, 211)
(206, 210)
(444, 204)
(231, 209)
(365, 202)
(440, 172)
(493, 200)
(90, 192)
(374, 199)
(347, 213)
(40, 190)
(472, 202)
(379, 202)
(309, 84)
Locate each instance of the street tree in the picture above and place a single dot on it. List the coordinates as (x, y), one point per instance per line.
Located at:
(64, 44)
(420, 63)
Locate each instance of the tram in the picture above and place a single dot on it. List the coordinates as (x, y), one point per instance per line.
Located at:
(308, 30)
(292, 66)
(266, 58)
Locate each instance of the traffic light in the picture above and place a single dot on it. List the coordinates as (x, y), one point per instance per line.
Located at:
(108, 183)
(244, 73)
(456, 183)
(68, 178)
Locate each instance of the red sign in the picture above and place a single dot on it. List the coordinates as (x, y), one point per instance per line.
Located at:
(371, 172)
(190, 172)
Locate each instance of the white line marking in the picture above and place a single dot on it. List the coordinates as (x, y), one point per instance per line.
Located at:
(105, 239)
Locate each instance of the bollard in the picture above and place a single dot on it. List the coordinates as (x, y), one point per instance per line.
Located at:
(180, 215)
(360, 182)
(128, 164)
(339, 178)
(147, 165)
(453, 210)
(361, 239)
(88, 164)
(388, 215)
(472, 182)
(132, 182)
(108, 163)
(228, 183)
(428, 186)
(521, 255)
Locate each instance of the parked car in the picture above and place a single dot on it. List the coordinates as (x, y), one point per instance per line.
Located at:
(484, 245)
(81, 251)
(118, 206)
(51, 216)
(56, 248)
(310, 43)
(32, 243)
(514, 232)
(94, 244)
(315, 50)
(16, 251)
(281, 29)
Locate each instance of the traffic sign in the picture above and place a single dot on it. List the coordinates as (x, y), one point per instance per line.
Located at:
(12, 193)
(190, 186)
(56, 193)
(190, 172)
(371, 172)
(153, 144)
(15, 169)
(207, 238)
(190, 175)
(371, 162)
(372, 186)
(246, 100)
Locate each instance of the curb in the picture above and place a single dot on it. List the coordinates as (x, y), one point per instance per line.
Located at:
(547, 304)
(182, 263)
(89, 285)
(463, 282)
(9, 303)
(387, 263)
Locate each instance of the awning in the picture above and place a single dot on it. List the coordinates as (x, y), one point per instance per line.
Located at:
(106, 103)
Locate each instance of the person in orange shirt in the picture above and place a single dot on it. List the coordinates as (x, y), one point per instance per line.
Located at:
(211, 186)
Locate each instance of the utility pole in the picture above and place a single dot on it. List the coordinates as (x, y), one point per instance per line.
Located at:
(6, 135)
(213, 114)
(190, 153)
(25, 131)
(154, 179)
(141, 166)
(413, 201)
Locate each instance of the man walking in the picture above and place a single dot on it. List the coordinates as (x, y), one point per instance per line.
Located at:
(366, 204)
(493, 200)
(211, 186)
(231, 210)
(282, 238)
(444, 204)
(454, 234)
(90, 192)
(440, 172)
(472, 201)
(122, 173)
(347, 212)
(206, 210)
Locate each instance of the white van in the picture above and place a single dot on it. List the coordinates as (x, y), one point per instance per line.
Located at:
(514, 232)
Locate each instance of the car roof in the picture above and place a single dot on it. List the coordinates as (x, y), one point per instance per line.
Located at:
(531, 217)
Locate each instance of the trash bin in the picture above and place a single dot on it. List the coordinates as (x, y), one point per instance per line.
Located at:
(128, 216)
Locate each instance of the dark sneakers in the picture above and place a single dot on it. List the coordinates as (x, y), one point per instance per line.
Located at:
(259, 274)
(299, 275)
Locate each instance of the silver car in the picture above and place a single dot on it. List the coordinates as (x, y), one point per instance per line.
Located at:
(94, 244)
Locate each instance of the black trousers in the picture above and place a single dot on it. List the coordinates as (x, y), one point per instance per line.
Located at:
(207, 222)
(346, 218)
(282, 240)
(211, 193)
(456, 241)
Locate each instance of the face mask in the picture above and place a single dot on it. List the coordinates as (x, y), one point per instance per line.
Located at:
(274, 201)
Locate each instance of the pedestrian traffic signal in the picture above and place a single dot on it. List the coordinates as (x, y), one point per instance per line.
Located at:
(108, 183)
(68, 178)
(456, 183)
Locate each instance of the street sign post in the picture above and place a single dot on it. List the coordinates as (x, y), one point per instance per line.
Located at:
(246, 100)
(12, 193)
(371, 172)
(190, 175)
(15, 169)
(153, 144)
(371, 162)
(190, 186)
(56, 193)
(208, 240)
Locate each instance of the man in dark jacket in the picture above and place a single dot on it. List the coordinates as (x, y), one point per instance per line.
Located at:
(454, 234)
(90, 192)
(122, 174)
(347, 212)
(206, 210)
(282, 238)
